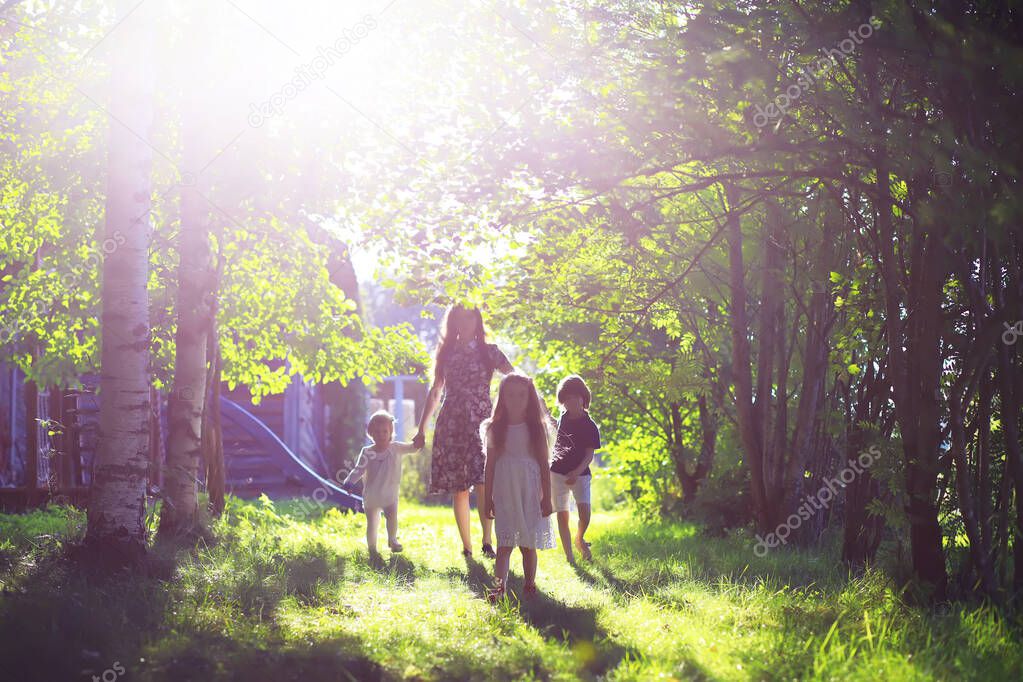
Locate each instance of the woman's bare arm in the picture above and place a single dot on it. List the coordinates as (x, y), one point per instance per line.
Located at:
(432, 398)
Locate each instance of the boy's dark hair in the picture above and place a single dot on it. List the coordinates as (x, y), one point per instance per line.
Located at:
(573, 384)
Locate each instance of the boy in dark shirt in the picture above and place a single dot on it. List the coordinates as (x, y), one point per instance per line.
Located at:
(578, 438)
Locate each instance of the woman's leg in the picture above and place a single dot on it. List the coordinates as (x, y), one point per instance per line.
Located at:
(460, 503)
(372, 524)
(485, 523)
(528, 566)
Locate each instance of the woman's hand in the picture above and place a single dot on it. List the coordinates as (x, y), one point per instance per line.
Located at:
(419, 440)
(546, 509)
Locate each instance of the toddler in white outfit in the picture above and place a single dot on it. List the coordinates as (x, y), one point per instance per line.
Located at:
(379, 465)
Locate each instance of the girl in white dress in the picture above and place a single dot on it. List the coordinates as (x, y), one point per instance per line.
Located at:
(518, 479)
(380, 464)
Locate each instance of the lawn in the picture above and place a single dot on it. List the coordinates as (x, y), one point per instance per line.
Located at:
(285, 595)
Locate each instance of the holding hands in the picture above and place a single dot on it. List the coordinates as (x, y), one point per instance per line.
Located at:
(419, 440)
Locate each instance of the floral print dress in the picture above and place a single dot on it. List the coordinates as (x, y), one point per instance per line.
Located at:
(457, 458)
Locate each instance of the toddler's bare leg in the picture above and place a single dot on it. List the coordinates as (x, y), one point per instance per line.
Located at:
(372, 524)
(391, 515)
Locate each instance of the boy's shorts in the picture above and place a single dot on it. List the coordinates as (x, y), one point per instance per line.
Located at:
(560, 490)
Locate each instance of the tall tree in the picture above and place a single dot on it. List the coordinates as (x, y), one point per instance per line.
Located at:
(117, 503)
(189, 392)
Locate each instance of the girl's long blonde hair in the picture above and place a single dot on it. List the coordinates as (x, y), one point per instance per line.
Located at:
(540, 427)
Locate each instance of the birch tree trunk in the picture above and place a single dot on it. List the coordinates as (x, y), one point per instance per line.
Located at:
(116, 516)
(180, 513)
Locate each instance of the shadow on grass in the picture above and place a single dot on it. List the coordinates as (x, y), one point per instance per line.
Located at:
(621, 589)
(396, 566)
(206, 656)
(575, 626)
(667, 552)
(478, 577)
(67, 621)
(598, 654)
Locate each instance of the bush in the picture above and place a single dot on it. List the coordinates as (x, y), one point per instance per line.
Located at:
(415, 476)
(642, 473)
(722, 502)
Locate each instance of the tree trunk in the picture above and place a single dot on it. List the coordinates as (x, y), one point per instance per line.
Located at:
(980, 552)
(750, 430)
(116, 516)
(31, 396)
(708, 444)
(812, 393)
(59, 469)
(155, 442)
(180, 513)
(769, 339)
(914, 359)
(346, 405)
(919, 417)
(1012, 402)
(212, 433)
(862, 530)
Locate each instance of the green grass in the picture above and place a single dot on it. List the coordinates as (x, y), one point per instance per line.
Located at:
(286, 597)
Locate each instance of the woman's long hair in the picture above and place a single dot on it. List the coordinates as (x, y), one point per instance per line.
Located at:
(448, 335)
(540, 427)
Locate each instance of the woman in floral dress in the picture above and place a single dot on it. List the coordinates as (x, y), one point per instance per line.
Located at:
(464, 366)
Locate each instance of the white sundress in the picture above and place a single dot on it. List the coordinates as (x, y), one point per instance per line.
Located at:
(517, 518)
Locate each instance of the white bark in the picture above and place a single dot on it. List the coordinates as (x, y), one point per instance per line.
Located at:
(117, 499)
(179, 514)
